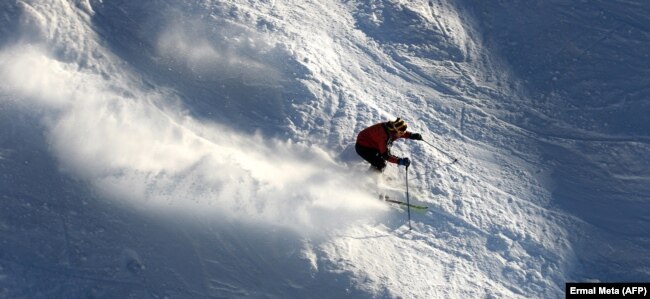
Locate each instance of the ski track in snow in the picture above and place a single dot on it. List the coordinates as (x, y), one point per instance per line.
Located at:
(159, 149)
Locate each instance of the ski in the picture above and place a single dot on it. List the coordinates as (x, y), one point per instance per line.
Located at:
(401, 203)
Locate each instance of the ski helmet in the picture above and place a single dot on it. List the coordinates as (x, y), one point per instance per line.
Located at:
(398, 125)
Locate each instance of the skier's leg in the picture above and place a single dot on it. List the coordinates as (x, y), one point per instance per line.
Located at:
(377, 165)
(372, 156)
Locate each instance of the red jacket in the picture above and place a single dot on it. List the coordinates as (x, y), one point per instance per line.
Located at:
(378, 137)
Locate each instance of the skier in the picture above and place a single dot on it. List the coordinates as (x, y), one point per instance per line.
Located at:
(374, 142)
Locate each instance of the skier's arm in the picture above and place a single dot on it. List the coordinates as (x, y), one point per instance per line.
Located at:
(390, 157)
(411, 135)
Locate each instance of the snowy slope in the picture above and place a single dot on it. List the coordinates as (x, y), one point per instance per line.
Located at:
(585, 71)
(200, 150)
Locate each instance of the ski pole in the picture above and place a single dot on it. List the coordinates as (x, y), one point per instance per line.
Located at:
(454, 160)
(408, 202)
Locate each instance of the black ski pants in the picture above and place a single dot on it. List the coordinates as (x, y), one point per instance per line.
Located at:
(372, 156)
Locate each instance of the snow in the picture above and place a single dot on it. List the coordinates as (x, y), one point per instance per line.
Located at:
(198, 150)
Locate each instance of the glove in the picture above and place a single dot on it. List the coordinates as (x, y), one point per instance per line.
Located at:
(416, 136)
(404, 162)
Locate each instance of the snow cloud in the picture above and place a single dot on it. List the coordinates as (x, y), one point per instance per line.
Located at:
(141, 148)
(219, 53)
(28, 70)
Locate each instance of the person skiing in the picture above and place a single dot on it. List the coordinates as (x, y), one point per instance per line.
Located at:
(374, 142)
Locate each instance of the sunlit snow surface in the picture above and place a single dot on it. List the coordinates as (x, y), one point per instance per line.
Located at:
(155, 149)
